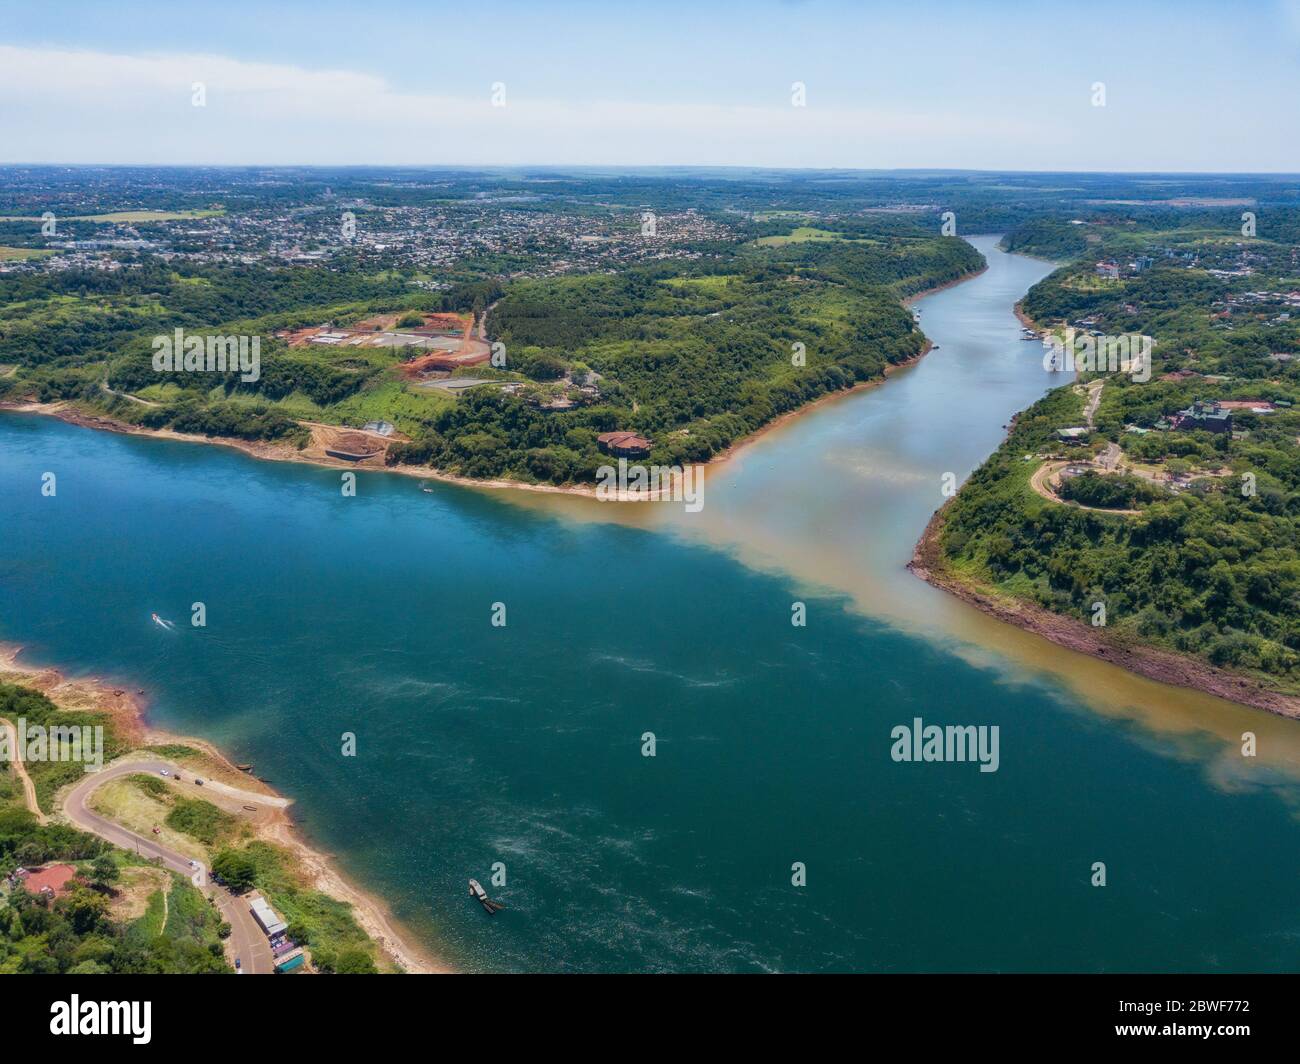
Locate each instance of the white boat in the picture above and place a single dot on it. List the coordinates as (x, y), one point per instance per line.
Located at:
(477, 892)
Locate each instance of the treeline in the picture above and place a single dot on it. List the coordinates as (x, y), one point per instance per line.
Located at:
(1047, 238)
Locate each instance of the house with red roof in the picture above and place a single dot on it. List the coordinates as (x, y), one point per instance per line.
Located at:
(54, 881)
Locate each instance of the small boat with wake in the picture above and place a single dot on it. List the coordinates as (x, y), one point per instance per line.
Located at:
(476, 891)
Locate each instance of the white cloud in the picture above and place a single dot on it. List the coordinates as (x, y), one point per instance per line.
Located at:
(59, 105)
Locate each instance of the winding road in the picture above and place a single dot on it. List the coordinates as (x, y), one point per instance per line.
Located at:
(247, 942)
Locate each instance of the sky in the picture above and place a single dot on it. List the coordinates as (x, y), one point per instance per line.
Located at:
(983, 84)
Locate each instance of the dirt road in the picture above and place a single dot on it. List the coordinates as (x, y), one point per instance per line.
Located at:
(29, 788)
(1041, 482)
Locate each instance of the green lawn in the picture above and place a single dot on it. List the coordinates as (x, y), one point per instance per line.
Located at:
(799, 236)
(18, 254)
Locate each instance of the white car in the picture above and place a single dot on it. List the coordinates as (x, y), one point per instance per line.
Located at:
(163, 772)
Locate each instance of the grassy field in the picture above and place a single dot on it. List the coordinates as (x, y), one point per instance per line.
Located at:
(19, 254)
(123, 801)
(135, 888)
(800, 235)
(150, 925)
(123, 216)
(711, 285)
(386, 399)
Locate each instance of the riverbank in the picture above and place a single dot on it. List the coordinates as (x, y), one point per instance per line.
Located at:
(311, 868)
(1023, 318)
(917, 296)
(1163, 666)
(269, 451)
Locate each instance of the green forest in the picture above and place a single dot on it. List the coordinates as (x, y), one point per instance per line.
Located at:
(694, 354)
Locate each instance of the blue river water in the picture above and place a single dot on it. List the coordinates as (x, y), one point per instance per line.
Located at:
(523, 744)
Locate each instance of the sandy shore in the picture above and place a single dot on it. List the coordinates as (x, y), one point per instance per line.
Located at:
(1164, 666)
(274, 824)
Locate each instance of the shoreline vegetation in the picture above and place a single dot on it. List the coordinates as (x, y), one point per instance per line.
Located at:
(129, 737)
(1164, 666)
(69, 412)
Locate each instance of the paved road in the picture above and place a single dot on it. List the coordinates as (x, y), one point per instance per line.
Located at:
(29, 788)
(246, 939)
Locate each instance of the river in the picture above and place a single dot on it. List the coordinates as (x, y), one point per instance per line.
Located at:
(522, 746)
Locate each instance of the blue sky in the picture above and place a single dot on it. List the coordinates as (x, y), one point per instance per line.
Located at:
(986, 85)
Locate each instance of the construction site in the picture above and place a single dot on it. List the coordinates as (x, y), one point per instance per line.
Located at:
(444, 342)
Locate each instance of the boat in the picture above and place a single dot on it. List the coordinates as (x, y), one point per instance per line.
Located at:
(424, 487)
(478, 893)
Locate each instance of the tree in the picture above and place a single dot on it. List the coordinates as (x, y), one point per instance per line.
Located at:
(237, 868)
(104, 871)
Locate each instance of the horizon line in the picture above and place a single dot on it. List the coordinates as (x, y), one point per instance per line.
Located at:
(646, 166)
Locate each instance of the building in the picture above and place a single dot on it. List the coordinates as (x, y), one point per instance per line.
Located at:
(53, 882)
(1072, 436)
(1203, 416)
(267, 919)
(623, 444)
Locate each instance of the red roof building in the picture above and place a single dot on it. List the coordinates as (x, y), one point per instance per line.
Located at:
(53, 881)
(627, 444)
